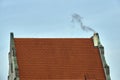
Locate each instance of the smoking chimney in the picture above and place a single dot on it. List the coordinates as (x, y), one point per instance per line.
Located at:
(96, 40)
(97, 43)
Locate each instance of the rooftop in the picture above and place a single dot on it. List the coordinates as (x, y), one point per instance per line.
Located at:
(58, 58)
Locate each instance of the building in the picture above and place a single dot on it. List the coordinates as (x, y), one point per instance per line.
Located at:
(57, 59)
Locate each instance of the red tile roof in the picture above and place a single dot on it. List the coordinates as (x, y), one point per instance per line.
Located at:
(58, 58)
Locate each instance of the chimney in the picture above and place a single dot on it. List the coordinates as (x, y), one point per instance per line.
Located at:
(96, 40)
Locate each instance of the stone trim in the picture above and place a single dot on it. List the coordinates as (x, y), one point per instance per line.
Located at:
(97, 44)
(14, 74)
(105, 65)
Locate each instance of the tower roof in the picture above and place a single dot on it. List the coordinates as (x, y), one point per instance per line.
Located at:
(58, 58)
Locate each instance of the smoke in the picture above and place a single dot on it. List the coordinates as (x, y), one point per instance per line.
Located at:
(78, 19)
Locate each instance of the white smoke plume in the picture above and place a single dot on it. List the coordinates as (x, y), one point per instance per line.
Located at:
(78, 19)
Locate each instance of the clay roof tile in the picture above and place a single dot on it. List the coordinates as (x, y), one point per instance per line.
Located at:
(58, 58)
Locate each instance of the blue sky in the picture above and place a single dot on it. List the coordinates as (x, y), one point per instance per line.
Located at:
(52, 18)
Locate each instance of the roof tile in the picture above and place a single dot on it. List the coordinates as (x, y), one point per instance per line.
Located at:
(58, 58)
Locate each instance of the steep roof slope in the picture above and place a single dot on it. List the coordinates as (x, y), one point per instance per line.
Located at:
(58, 58)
